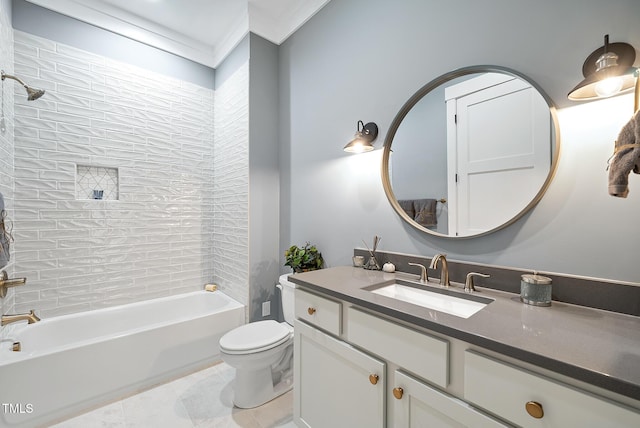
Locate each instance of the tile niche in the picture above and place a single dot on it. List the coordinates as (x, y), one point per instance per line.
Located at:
(96, 182)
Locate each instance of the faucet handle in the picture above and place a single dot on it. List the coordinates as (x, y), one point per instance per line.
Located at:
(469, 285)
(5, 283)
(423, 271)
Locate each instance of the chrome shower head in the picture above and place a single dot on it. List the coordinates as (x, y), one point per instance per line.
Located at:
(32, 93)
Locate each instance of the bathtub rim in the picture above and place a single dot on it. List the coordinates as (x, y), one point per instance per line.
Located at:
(12, 331)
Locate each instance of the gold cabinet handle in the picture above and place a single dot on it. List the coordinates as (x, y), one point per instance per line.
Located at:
(311, 311)
(373, 378)
(534, 409)
(397, 392)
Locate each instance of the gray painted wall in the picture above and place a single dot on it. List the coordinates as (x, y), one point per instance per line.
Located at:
(264, 200)
(332, 75)
(237, 58)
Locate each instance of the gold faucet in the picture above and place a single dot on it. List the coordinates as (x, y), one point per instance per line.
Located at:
(444, 273)
(31, 317)
(5, 283)
(423, 272)
(469, 285)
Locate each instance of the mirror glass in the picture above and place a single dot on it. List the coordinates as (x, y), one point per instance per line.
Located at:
(470, 152)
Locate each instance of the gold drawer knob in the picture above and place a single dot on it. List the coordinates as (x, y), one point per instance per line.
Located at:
(311, 311)
(373, 378)
(534, 409)
(397, 392)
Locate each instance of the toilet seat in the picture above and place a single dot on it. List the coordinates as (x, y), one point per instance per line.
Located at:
(255, 337)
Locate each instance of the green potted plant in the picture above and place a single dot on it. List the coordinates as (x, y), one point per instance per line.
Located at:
(302, 259)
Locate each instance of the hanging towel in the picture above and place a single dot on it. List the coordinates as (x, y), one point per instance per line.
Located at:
(425, 212)
(5, 237)
(407, 206)
(626, 157)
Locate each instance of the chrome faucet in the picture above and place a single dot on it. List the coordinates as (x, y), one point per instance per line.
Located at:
(5, 283)
(31, 317)
(444, 272)
(423, 272)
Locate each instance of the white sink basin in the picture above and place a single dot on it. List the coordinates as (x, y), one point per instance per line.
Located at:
(462, 307)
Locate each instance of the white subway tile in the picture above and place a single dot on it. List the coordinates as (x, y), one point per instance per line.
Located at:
(34, 41)
(25, 49)
(158, 132)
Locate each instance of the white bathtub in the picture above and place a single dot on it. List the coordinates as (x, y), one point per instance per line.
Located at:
(74, 362)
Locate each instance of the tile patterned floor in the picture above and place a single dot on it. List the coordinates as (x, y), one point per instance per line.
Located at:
(202, 400)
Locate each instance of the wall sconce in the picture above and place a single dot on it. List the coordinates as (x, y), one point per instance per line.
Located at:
(608, 71)
(362, 141)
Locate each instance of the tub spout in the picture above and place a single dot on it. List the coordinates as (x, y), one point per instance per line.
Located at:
(31, 317)
(5, 283)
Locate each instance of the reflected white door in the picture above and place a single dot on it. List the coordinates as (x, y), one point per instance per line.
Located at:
(498, 150)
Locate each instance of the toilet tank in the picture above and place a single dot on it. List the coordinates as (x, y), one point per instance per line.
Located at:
(287, 299)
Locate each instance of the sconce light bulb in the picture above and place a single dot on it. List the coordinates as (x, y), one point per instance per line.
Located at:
(358, 147)
(608, 87)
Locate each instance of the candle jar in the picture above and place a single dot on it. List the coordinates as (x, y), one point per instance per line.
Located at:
(535, 290)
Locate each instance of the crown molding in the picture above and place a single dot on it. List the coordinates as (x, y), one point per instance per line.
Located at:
(275, 22)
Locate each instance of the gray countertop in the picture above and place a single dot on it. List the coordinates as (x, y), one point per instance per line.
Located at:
(594, 346)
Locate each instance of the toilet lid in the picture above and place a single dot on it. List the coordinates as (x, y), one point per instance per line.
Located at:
(255, 335)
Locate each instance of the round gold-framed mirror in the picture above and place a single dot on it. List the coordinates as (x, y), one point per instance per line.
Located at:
(471, 152)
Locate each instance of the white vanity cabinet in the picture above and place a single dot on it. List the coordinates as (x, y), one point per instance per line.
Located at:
(417, 405)
(359, 378)
(357, 368)
(335, 384)
(530, 400)
(411, 401)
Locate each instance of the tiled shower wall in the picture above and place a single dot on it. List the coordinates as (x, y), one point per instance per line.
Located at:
(157, 238)
(6, 140)
(231, 186)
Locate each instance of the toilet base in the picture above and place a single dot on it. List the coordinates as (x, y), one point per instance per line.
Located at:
(253, 388)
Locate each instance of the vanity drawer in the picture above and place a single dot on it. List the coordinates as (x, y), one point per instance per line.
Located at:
(319, 311)
(507, 391)
(423, 355)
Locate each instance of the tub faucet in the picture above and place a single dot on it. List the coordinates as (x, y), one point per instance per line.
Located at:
(5, 283)
(444, 272)
(31, 317)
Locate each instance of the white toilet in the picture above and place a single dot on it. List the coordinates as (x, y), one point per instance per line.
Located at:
(262, 354)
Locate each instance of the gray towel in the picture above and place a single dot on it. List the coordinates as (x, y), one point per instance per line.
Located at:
(5, 236)
(407, 206)
(425, 212)
(626, 158)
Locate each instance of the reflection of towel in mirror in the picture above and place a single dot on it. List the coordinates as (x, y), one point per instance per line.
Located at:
(626, 157)
(425, 212)
(407, 206)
